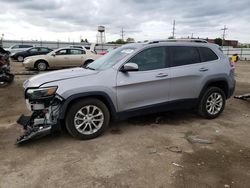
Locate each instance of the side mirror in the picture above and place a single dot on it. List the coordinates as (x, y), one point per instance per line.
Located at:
(130, 67)
(53, 54)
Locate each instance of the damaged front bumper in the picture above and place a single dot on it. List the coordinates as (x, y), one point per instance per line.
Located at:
(44, 118)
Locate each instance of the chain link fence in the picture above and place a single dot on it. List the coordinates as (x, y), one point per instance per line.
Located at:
(243, 53)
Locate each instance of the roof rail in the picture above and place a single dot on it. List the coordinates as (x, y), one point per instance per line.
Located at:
(178, 40)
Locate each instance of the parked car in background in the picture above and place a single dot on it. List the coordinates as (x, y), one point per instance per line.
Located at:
(63, 57)
(19, 56)
(105, 52)
(18, 48)
(102, 52)
(90, 48)
(78, 46)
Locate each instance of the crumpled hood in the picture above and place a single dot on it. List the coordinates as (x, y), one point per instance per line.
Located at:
(53, 76)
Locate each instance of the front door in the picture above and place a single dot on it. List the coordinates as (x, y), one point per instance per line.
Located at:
(147, 86)
(60, 58)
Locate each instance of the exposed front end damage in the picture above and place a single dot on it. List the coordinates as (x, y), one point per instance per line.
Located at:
(45, 105)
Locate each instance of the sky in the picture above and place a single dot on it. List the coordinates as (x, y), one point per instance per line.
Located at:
(71, 20)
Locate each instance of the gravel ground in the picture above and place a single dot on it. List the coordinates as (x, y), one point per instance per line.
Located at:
(132, 153)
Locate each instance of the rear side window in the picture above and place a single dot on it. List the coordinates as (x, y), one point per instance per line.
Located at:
(184, 55)
(76, 52)
(207, 54)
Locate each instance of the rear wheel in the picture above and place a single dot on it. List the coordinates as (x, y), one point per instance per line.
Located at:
(41, 65)
(86, 63)
(87, 118)
(212, 103)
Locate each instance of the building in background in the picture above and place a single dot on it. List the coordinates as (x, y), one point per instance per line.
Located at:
(233, 43)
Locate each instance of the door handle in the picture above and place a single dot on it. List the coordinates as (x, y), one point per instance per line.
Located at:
(203, 69)
(160, 75)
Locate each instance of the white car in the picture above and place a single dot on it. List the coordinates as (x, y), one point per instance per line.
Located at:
(18, 48)
(90, 48)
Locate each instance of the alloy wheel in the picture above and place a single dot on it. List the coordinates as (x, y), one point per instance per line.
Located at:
(214, 103)
(88, 119)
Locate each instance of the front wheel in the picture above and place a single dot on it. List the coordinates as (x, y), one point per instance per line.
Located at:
(86, 63)
(87, 119)
(41, 65)
(212, 103)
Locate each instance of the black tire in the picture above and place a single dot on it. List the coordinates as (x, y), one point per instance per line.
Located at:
(20, 58)
(86, 63)
(3, 84)
(11, 77)
(41, 65)
(202, 109)
(74, 109)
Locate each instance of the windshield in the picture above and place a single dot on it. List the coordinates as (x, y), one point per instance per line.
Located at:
(111, 58)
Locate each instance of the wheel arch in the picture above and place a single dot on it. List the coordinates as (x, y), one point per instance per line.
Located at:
(102, 96)
(37, 61)
(220, 83)
(88, 60)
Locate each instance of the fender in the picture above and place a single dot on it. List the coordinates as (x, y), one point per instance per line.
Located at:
(209, 82)
(105, 98)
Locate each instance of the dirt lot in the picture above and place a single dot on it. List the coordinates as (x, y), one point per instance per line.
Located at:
(131, 153)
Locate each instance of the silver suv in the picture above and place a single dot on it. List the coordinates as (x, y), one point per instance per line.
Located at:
(131, 80)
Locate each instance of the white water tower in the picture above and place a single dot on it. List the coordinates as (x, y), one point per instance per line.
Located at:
(100, 37)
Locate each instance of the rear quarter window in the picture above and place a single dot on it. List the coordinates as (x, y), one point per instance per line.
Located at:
(207, 54)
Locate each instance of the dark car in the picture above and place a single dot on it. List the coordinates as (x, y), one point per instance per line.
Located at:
(19, 56)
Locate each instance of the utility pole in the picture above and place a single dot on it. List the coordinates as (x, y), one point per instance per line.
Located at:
(122, 33)
(1, 45)
(173, 32)
(224, 34)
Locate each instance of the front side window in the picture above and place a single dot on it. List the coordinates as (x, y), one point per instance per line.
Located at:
(62, 52)
(184, 55)
(15, 47)
(207, 54)
(150, 59)
(34, 50)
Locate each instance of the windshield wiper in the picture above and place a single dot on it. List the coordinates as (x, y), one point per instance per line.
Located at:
(89, 68)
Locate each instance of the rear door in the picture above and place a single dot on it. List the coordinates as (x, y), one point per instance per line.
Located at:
(76, 57)
(149, 85)
(188, 72)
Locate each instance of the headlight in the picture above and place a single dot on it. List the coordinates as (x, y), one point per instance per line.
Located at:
(40, 93)
(26, 60)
